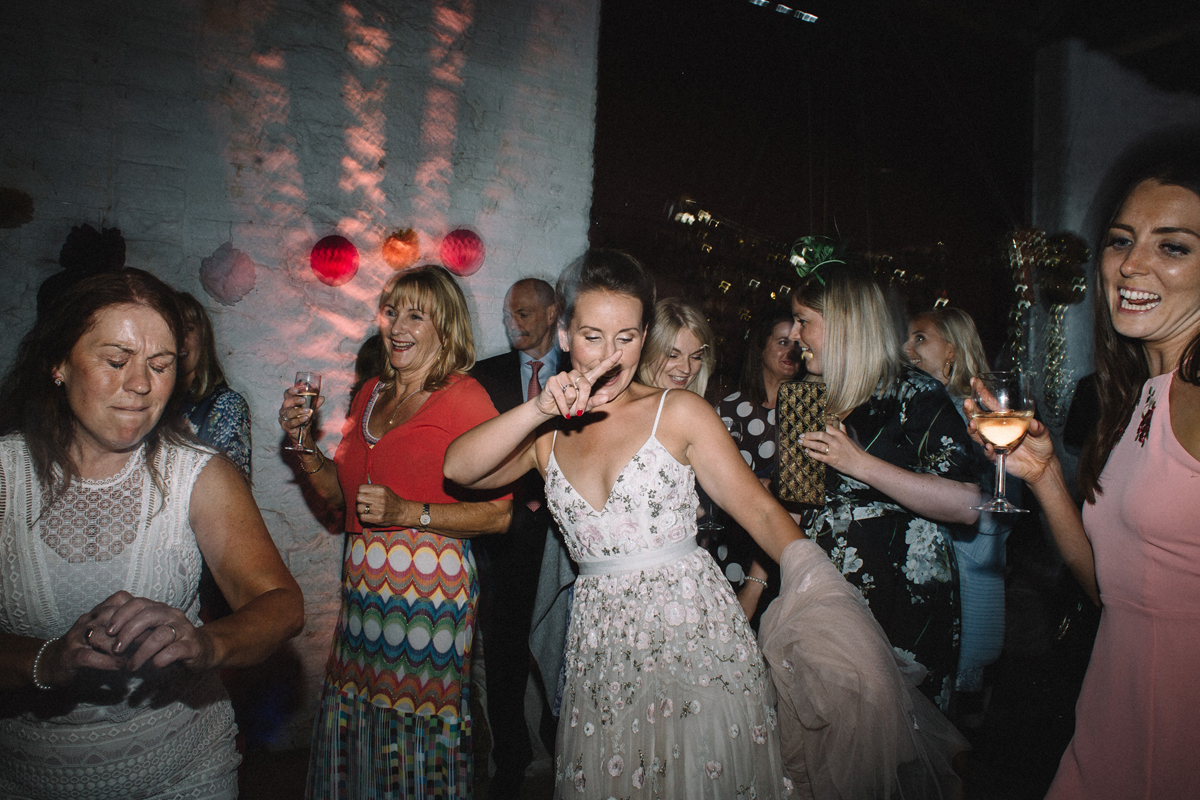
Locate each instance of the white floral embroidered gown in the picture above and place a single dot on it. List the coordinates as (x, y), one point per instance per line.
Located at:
(666, 693)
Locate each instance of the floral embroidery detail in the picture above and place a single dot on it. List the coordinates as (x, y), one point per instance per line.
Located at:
(1143, 428)
(642, 639)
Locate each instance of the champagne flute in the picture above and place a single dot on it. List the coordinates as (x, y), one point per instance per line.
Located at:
(308, 387)
(1003, 411)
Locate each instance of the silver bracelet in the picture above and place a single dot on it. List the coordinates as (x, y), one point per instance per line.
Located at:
(757, 580)
(37, 660)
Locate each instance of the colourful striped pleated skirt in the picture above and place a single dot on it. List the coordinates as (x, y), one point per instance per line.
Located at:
(394, 719)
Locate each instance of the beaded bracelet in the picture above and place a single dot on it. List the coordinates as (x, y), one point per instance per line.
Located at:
(37, 660)
(756, 580)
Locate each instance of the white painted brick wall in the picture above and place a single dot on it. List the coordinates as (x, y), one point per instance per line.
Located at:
(190, 125)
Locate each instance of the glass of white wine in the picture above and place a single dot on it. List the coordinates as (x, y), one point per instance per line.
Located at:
(1003, 411)
(308, 387)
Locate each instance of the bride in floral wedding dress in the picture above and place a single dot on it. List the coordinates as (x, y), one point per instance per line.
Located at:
(667, 694)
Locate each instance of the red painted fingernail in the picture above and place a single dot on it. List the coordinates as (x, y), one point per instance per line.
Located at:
(579, 413)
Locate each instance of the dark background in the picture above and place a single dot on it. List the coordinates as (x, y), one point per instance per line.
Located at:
(904, 129)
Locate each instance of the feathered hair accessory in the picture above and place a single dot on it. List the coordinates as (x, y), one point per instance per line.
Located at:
(811, 254)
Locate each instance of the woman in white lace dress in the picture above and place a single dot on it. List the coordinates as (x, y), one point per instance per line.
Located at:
(108, 683)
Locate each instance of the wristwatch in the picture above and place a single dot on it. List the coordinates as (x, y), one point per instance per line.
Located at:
(425, 520)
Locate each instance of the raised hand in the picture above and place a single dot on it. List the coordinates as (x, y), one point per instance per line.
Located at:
(570, 393)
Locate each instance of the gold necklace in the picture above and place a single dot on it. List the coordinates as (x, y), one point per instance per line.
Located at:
(403, 400)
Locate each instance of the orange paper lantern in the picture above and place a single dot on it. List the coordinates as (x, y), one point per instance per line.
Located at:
(402, 249)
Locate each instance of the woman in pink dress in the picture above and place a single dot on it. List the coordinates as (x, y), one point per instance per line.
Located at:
(1136, 548)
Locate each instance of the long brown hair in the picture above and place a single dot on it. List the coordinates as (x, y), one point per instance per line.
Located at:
(209, 374)
(1121, 365)
(435, 292)
(32, 405)
(752, 384)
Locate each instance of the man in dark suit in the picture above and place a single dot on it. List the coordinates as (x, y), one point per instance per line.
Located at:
(509, 564)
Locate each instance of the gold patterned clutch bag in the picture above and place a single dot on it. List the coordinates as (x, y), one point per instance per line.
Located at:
(800, 408)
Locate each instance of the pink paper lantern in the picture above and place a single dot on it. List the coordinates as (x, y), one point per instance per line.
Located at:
(227, 275)
(462, 252)
(334, 260)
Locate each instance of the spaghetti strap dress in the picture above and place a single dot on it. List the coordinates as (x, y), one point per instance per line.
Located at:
(666, 693)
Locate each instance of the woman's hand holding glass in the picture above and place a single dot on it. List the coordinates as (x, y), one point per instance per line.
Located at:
(296, 414)
(1031, 459)
(1001, 412)
(570, 393)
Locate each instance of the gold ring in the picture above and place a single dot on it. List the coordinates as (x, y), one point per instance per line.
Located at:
(174, 634)
(367, 508)
(826, 449)
(88, 636)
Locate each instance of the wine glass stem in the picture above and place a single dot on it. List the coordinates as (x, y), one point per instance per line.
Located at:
(300, 435)
(1001, 475)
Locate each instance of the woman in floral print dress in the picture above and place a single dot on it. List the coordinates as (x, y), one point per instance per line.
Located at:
(901, 472)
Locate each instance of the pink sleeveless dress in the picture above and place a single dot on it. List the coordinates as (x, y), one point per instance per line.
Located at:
(1137, 729)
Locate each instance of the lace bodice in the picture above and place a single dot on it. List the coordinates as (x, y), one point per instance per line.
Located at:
(150, 734)
(99, 537)
(652, 505)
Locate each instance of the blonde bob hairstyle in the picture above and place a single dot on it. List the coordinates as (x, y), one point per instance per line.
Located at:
(671, 315)
(958, 329)
(433, 291)
(860, 346)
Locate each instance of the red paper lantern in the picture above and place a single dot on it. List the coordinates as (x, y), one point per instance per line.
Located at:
(462, 252)
(402, 249)
(334, 260)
